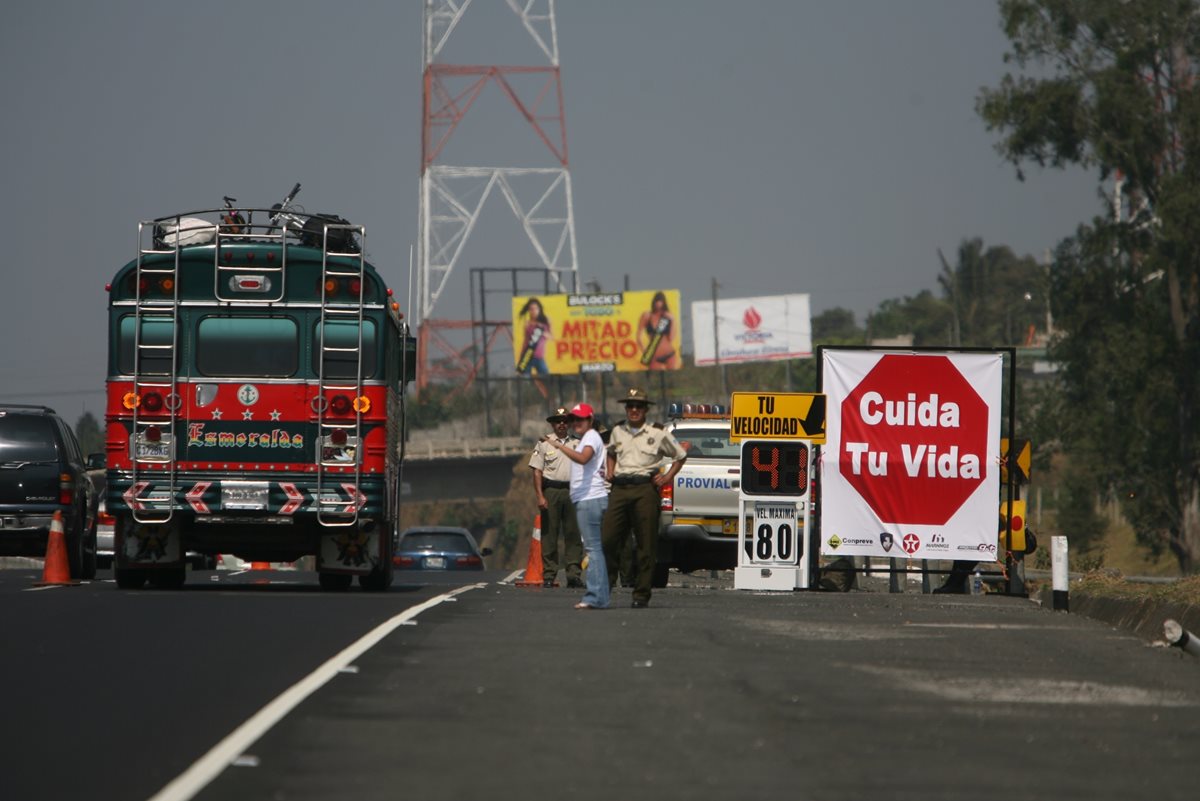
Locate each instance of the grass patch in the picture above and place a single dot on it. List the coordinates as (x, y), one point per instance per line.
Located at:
(1107, 584)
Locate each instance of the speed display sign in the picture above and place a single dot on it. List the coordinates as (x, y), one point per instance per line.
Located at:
(774, 468)
(774, 516)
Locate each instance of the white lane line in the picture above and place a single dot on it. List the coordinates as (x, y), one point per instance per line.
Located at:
(187, 784)
(511, 577)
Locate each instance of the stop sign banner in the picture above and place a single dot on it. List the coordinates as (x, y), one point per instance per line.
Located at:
(911, 463)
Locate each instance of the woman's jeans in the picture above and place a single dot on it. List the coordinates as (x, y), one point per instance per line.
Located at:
(590, 514)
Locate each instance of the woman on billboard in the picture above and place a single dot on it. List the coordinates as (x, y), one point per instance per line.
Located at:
(536, 334)
(655, 335)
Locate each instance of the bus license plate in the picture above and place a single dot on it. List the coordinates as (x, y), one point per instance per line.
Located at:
(435, 562)
(244, 494)
(153, 451)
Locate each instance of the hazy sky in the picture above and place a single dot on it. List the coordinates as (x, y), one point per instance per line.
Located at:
(827, 148)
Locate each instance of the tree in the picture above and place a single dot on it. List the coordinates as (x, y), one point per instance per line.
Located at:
(924, 316)
(1111, 85)
(836, 326)
(995, 298)
(87, 431)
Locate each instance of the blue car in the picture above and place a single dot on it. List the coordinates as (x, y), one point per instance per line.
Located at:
(438, 548)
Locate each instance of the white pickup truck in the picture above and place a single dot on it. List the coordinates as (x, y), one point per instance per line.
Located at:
(698, 526)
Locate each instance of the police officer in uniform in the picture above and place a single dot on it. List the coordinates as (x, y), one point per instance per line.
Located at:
(635, 450)
(552, 484)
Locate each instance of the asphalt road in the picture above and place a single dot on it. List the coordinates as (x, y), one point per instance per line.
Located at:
(508, 692)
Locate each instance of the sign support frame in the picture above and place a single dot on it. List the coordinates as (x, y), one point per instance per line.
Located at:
(785, 528)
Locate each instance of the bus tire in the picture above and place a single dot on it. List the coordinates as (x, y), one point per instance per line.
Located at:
(87, 570)
(129, 578)
(378, 580)
(335, 582)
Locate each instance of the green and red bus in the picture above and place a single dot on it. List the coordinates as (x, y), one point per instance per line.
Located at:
(255, 398)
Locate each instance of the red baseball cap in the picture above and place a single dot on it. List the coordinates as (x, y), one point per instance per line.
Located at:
(582, 410)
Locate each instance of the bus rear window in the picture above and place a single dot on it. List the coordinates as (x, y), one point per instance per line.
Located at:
(341, 346)
(156, 346)
(260, 347)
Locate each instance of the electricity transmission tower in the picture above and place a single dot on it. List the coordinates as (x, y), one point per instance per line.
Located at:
(452, 196)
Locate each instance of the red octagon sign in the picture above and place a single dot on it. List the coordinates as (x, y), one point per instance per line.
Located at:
(914, 439)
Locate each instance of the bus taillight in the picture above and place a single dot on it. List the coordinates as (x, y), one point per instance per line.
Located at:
(152, 402)
(340, 404)
(153, 434)
(338, 437)
(331, 286)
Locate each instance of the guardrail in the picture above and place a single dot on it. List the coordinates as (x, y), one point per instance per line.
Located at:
(466, 448)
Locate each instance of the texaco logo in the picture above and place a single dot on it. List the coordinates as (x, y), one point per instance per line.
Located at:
(247, 394)
(910, 543)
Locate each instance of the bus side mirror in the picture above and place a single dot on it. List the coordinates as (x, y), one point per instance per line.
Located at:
(408, 360)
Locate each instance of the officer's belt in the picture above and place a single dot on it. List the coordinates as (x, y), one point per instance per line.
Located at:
(552, 484)
(621, 481)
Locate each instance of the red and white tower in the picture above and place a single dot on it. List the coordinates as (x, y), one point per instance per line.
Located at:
(452, 197)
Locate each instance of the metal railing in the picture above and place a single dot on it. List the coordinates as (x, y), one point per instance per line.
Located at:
(418, 449)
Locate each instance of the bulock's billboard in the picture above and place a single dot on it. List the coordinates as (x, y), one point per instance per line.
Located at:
(607, 332)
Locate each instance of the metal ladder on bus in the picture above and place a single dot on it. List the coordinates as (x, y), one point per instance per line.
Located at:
(331, 510)
(165, 310)
(228, 276)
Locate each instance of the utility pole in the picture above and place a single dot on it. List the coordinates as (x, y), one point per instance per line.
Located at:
(717, 340)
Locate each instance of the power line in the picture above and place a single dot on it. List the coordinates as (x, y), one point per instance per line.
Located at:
(55, 393)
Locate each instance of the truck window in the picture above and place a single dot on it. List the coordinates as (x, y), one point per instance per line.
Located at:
(260, 347)
(707, 443)
(27, 438)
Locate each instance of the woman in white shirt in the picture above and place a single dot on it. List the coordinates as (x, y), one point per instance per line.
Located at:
(589, 494)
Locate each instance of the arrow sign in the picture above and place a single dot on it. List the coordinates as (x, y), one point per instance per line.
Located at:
(131, 495)
(1022, 451)
(195, 496)
(294, 498)
(777, 415)
(357, 499)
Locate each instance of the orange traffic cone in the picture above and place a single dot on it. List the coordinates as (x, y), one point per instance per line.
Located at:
(533, 569)
(57, 569)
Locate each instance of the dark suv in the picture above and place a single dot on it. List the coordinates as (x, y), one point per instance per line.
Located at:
(42, 471)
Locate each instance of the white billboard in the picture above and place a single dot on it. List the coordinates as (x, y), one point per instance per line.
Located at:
(752, 329)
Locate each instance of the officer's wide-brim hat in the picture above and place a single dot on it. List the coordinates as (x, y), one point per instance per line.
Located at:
(560, 415)
(637, 395)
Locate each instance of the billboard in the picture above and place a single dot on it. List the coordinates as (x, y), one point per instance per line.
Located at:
(910, 467)
(752, 329)
(607, 332)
